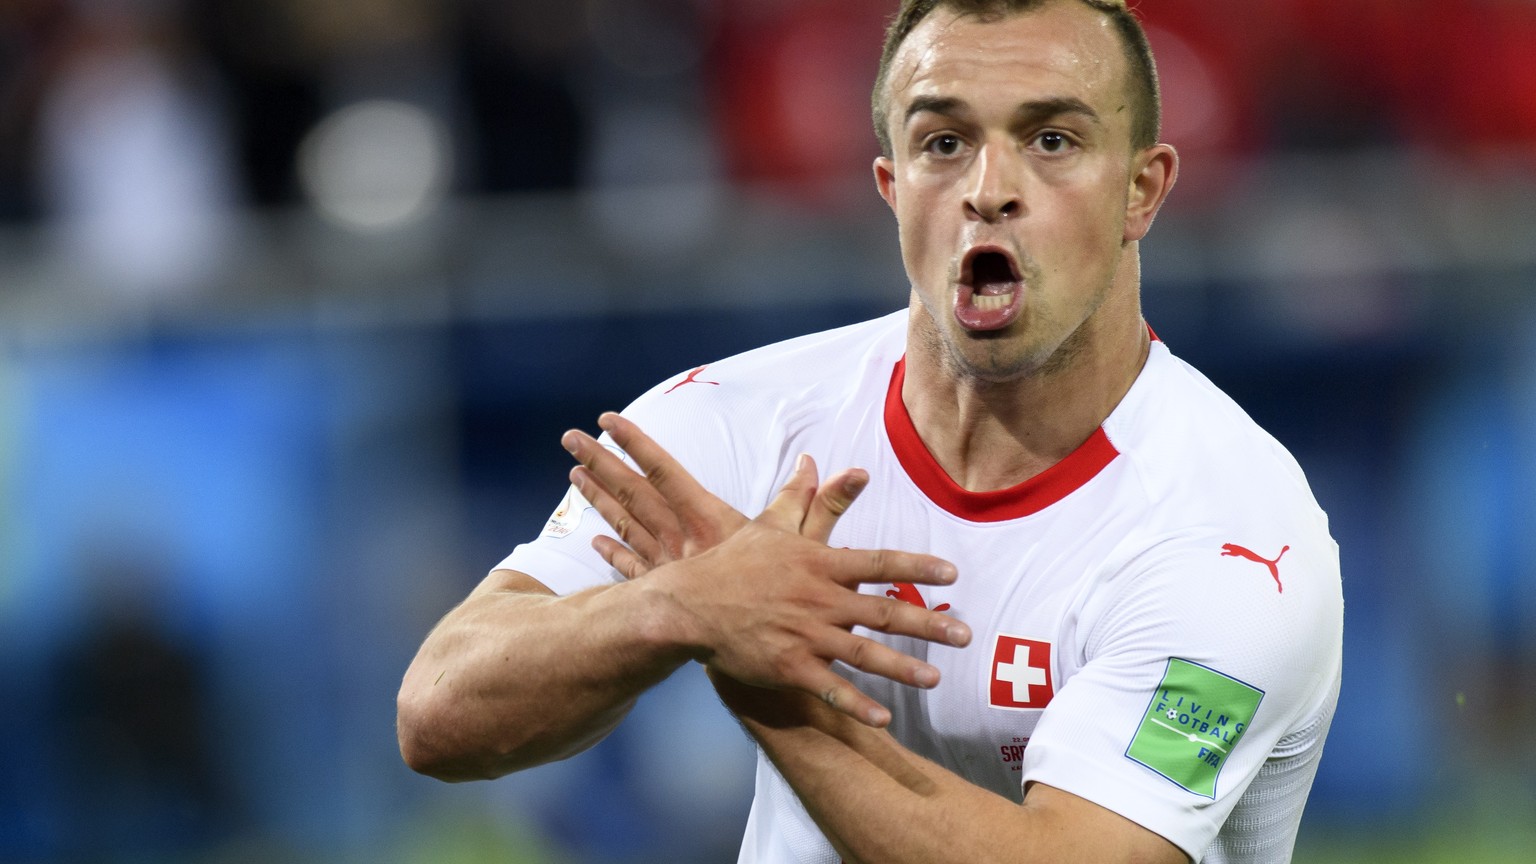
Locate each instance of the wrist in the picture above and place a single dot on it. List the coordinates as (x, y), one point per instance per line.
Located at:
(760, 708)
(663, 622)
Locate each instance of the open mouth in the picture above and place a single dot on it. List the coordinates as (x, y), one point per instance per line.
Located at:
(991, 289)
(992, 280)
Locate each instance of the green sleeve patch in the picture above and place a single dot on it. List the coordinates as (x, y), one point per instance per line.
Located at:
(1193, 722)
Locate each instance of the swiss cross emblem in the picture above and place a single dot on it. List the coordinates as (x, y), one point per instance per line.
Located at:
(1021, 673)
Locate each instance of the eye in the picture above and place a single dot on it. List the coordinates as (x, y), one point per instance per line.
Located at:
(944, 145)
(1053, 142)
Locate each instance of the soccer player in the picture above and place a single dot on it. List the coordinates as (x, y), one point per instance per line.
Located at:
(1105, 621)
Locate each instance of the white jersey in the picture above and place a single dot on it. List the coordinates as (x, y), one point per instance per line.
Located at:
(1157, 619)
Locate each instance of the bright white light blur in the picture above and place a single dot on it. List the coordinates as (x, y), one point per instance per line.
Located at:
(376, 165)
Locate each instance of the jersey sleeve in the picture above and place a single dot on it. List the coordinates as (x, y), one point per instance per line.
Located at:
(693, 424)
(1197, 670)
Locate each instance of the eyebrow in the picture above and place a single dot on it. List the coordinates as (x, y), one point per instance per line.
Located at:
(945, 105)
(1027, 112)
(1063, 105)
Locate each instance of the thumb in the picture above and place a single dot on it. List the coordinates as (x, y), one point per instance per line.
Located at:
(832, 500)
(787, 510)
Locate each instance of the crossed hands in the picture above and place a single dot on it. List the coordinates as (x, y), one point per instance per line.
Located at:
(763, 601)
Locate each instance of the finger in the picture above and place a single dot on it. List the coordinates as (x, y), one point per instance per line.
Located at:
(837, 692)
(626, 492)
(705, 520)
(620, 557)
(666, 475)
(900, 618)
(851, 567)
(787, 509)
(870, 656)
(631, 530)
(832, 500)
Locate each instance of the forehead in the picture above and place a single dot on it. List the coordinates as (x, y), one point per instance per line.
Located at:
(1059, 50)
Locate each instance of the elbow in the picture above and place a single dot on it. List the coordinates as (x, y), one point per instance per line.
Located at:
(450, 737)
(424, 728)
(417, 754)
(420, 758)
(414, 733)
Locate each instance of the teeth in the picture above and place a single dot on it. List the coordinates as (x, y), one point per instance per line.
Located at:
(990, 302)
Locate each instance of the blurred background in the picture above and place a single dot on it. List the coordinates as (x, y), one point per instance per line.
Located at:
(296, 298)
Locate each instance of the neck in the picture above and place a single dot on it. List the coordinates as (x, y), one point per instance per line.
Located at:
(990, 435)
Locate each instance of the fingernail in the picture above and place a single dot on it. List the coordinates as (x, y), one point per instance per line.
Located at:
(926, 676)
(877, 716)
(943, 571)
(568, 441)
(800, 462)
(958, 634)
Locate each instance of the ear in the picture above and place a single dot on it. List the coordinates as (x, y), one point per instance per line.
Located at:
(1153, 173)
(885, 180)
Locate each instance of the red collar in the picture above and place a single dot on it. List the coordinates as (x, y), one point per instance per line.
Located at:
(1029, 497)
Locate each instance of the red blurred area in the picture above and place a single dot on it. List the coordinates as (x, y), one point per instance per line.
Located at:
(791, 79)
(790, 87)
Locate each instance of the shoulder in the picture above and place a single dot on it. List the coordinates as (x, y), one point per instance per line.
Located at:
(728, 420)
(1200, 457)
(793, 375)
(1232, 555)
(801, 364)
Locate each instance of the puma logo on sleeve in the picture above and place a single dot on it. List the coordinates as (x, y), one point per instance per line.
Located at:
(1232, 550)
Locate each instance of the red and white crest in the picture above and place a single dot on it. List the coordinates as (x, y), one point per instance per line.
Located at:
(1021, 673)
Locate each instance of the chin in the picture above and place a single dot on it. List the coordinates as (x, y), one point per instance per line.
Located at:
(996, 362)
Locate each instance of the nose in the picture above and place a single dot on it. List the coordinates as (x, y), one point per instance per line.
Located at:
(994, 192)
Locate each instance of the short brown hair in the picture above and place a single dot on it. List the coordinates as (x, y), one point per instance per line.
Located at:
(1147, 117)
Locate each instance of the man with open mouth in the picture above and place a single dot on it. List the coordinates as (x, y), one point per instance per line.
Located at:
(1060, 599)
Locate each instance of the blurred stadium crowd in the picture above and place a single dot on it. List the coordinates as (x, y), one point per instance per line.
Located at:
(296, 297)
(541, 95)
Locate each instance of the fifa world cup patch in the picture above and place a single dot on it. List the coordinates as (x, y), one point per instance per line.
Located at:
(1192, 724)
(567, 517)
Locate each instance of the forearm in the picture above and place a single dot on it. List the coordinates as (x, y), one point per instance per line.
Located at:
(876, 801)
(513, 679)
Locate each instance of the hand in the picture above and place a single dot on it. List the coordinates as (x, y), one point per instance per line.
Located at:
(764, 601)
(665, 515)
